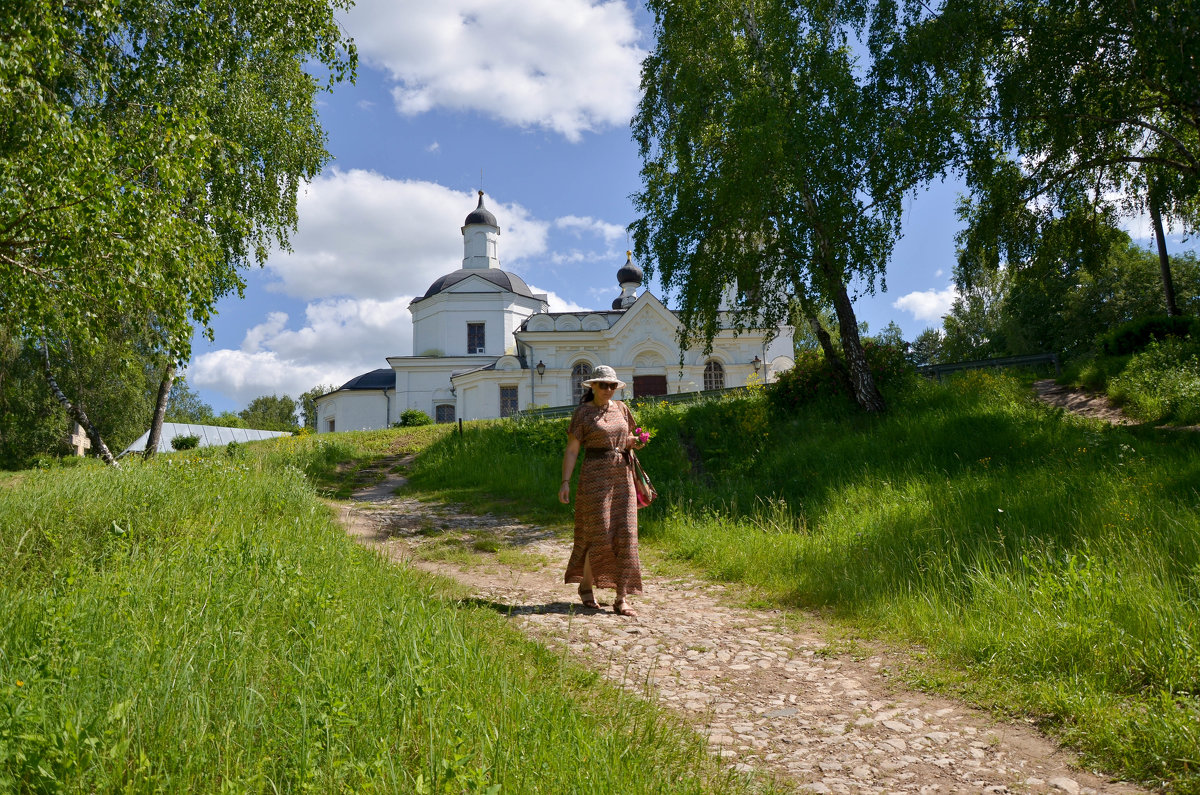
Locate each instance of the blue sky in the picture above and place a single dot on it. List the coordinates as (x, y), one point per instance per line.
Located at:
(530, 101)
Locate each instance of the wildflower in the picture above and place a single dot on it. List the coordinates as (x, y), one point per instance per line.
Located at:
(20, 683)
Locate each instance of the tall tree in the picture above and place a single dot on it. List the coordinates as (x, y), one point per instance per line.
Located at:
(270, 413)
(149, 152)
(1073, 103)
(776, 160)
(308, 404)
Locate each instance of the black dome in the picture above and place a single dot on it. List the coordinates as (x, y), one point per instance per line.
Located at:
(383, 378)
(629, 272)
(481, 215)
(502, 279)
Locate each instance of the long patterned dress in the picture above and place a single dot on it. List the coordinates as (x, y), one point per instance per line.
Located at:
(605, 502)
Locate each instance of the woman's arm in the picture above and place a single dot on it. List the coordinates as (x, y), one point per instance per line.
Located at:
(568, 466)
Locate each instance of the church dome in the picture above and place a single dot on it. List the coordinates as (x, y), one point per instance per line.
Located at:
(502, 279)
(481, 215)
(629, 272)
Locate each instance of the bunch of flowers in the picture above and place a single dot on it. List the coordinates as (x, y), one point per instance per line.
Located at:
(641, 435)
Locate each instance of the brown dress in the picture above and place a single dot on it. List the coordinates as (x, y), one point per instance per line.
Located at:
(605, 504)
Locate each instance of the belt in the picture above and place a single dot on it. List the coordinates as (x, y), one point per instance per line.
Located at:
(590, 453)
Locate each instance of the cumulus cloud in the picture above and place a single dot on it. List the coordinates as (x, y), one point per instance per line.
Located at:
(338, 340)
(570, 66)
(928, 305)
(581, 225)
(364, 235)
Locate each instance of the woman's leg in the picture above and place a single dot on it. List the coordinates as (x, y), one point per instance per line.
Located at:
(619, 605)
(585, 585)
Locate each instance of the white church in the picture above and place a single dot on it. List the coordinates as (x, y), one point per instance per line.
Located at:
(485, 346)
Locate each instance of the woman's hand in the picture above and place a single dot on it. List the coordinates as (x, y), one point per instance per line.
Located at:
(564, 492)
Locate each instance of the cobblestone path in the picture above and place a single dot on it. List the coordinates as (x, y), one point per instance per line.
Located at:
(765, 687)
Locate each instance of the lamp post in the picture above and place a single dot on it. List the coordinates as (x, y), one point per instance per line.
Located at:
(541, 369)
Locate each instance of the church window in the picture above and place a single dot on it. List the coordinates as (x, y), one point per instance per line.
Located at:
(475, 343)
(330, 428)
(714, 375)
(444, 412)
(508, 401)
(579, 374)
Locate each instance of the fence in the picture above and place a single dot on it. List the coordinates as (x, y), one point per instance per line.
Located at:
(938, 370)
(679, 397)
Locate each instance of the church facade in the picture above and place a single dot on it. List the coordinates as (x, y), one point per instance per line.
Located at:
(485, 346)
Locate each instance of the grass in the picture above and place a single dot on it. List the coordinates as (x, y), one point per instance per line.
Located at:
(1047, 563)
(201, 623)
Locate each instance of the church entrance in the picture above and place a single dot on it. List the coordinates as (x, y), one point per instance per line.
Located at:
(645, 385)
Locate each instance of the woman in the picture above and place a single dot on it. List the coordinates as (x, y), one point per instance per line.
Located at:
(605, 554)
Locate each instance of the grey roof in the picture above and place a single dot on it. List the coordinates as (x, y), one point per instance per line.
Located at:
(210, 436)
(383, 378)
(502, 279)
(481, 215)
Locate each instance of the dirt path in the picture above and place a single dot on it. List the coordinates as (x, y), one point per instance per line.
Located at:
(765, 687)
(1081, 401)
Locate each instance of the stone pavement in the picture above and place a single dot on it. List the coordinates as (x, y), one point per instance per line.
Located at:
(768, 690)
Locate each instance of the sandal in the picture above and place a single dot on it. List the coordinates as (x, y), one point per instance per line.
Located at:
(588, 601)
(620, 609)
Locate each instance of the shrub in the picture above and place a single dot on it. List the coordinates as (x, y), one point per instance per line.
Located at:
(1162, 382)
(185, 442)
(410, 418)
(1135, 335)
(814, 378)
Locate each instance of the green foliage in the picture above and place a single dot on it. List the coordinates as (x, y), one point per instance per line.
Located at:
(308, 404)
(777, 160)
(200, 623)
(1162, 383)
(812, 378)
(185, 405)
(270, 413)
(1054, 560)
(1135, 335)
(185, 442)
(410, 418)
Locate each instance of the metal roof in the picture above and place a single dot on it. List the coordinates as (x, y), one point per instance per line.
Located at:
(210, 436)
(383, 378)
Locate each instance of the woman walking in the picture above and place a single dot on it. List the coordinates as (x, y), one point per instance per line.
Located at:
(605, 554)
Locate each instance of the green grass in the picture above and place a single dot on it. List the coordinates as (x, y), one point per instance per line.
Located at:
(1049, 564)
(200, 623)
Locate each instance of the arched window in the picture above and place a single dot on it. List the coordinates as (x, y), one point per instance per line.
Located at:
(579, 374)
(714, 375)
(444, 412)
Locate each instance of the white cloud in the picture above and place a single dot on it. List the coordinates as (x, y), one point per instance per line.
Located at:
(571, 66)
(928, 305)
(364, 235)
(433, 147)
(558, 303)
(586, 224)
(338, 340)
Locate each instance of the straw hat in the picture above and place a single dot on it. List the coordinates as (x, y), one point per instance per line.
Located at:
(604, 373)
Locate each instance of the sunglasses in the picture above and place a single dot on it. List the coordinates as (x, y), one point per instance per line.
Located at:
(605, 384)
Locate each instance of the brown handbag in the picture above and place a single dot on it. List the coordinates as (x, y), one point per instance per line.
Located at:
(643, 489)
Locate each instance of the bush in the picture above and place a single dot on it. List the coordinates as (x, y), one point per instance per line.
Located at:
(410, 418)
(185, 442)
(1162, 382)
(1135, 335)
(813, 377)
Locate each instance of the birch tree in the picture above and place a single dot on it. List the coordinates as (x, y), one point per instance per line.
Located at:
(776, 158)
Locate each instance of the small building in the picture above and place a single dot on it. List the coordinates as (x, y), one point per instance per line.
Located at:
(485, 345)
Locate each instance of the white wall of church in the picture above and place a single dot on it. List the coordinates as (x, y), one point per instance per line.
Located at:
(356, 411)
(440, 321)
